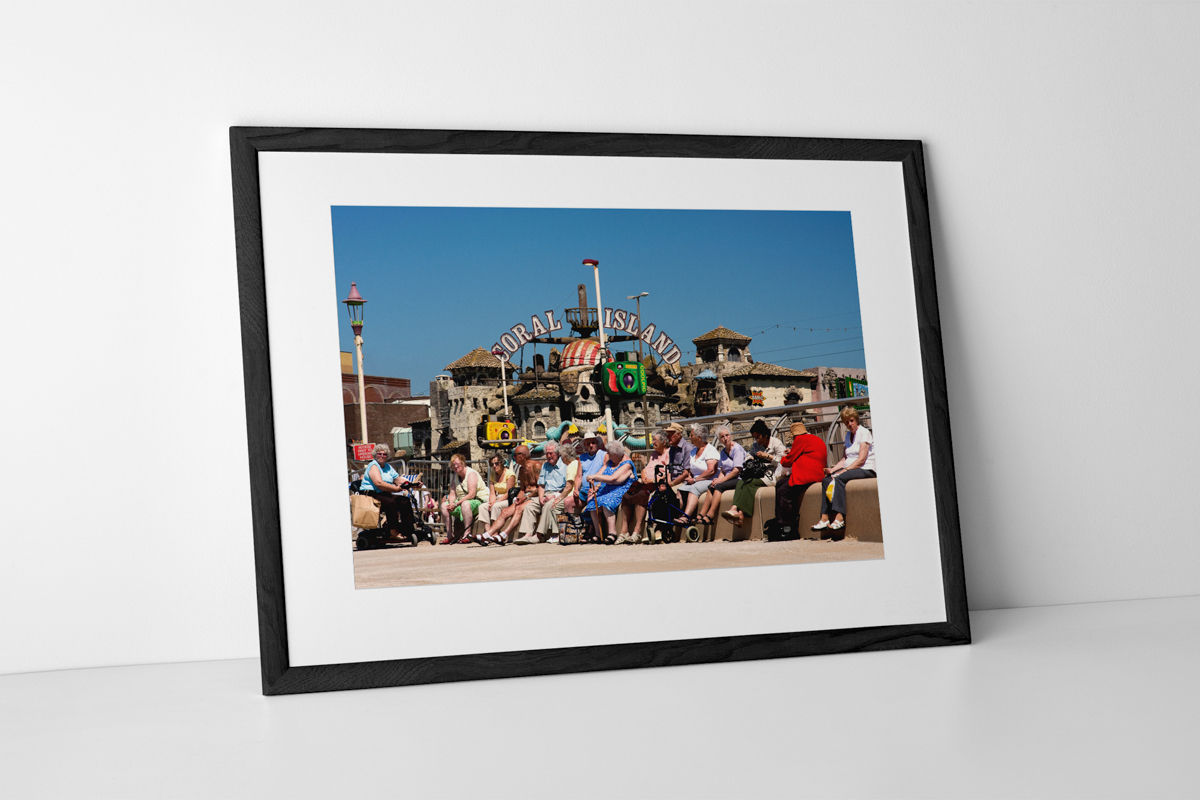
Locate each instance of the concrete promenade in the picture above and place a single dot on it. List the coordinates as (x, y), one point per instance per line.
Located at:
(425, 564)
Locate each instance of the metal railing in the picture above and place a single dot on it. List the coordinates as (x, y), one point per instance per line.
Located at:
(739, 422)
(438, 478)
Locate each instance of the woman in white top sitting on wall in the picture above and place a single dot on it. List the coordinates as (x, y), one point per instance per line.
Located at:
(463, 501)
(702, 468)
(859, 462)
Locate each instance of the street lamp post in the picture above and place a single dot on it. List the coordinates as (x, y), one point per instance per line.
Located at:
(595, 265)
(499, 354)
(354, 307)
(638, 298)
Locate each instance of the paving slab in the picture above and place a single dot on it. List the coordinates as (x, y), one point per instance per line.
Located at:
(425, 564)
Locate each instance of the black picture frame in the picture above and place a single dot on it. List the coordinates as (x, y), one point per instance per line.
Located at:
(280, 677)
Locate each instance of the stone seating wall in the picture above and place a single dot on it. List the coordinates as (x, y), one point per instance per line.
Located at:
(862, 514)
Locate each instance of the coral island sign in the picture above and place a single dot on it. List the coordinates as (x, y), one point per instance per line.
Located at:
(617, 319)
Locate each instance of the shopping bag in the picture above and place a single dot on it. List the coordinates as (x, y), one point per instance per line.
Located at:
(364, 511)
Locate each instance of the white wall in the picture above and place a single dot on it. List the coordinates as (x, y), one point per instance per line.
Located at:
(1062, 167)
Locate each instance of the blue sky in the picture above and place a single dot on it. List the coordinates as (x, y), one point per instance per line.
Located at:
(442, 281)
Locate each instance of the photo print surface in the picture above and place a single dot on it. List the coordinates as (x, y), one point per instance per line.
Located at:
(567, 392)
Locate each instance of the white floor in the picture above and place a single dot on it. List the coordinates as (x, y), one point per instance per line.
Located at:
(1088, 701)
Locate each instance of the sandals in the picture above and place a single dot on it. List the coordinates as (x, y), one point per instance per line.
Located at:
(704, 519)
(683, 519)
(735, 516)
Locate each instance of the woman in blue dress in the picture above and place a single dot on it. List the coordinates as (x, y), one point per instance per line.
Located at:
(607, 487)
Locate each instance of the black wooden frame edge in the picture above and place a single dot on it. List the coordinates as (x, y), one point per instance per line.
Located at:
(642, 145)
(279, 677)
(260, 418)
(594, 658)
(937, 407)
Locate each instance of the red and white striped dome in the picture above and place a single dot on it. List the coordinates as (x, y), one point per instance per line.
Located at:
(583, 353)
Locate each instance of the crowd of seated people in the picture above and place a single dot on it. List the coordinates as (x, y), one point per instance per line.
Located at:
(604, 482)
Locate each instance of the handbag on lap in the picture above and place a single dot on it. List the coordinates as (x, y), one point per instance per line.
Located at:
(756, 468)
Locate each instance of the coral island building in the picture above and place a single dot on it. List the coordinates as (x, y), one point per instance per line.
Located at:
(562, 386)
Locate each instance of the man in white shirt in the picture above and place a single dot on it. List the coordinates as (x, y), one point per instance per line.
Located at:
(538, 518)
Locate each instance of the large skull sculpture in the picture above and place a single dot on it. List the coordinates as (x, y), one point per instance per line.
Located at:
(579, 358)
(580, 391)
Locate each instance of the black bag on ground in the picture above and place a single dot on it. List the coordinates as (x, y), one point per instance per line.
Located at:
(573, 531)
(775, 531)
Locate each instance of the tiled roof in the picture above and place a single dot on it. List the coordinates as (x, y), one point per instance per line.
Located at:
(719, 333)
(536, 394)
(766, 371)
(476, 358)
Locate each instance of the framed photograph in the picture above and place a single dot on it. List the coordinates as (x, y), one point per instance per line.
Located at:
(522, 403)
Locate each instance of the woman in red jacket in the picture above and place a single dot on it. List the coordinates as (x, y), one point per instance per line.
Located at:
(808, 459)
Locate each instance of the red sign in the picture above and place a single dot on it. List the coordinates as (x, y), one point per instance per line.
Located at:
(363, 452)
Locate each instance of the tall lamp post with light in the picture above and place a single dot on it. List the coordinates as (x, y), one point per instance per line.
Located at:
(499, 354)
(354, 307)
(595, 265)
(638, 297)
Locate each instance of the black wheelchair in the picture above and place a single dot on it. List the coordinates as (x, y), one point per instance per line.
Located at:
(401, 510)
(662, 508)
